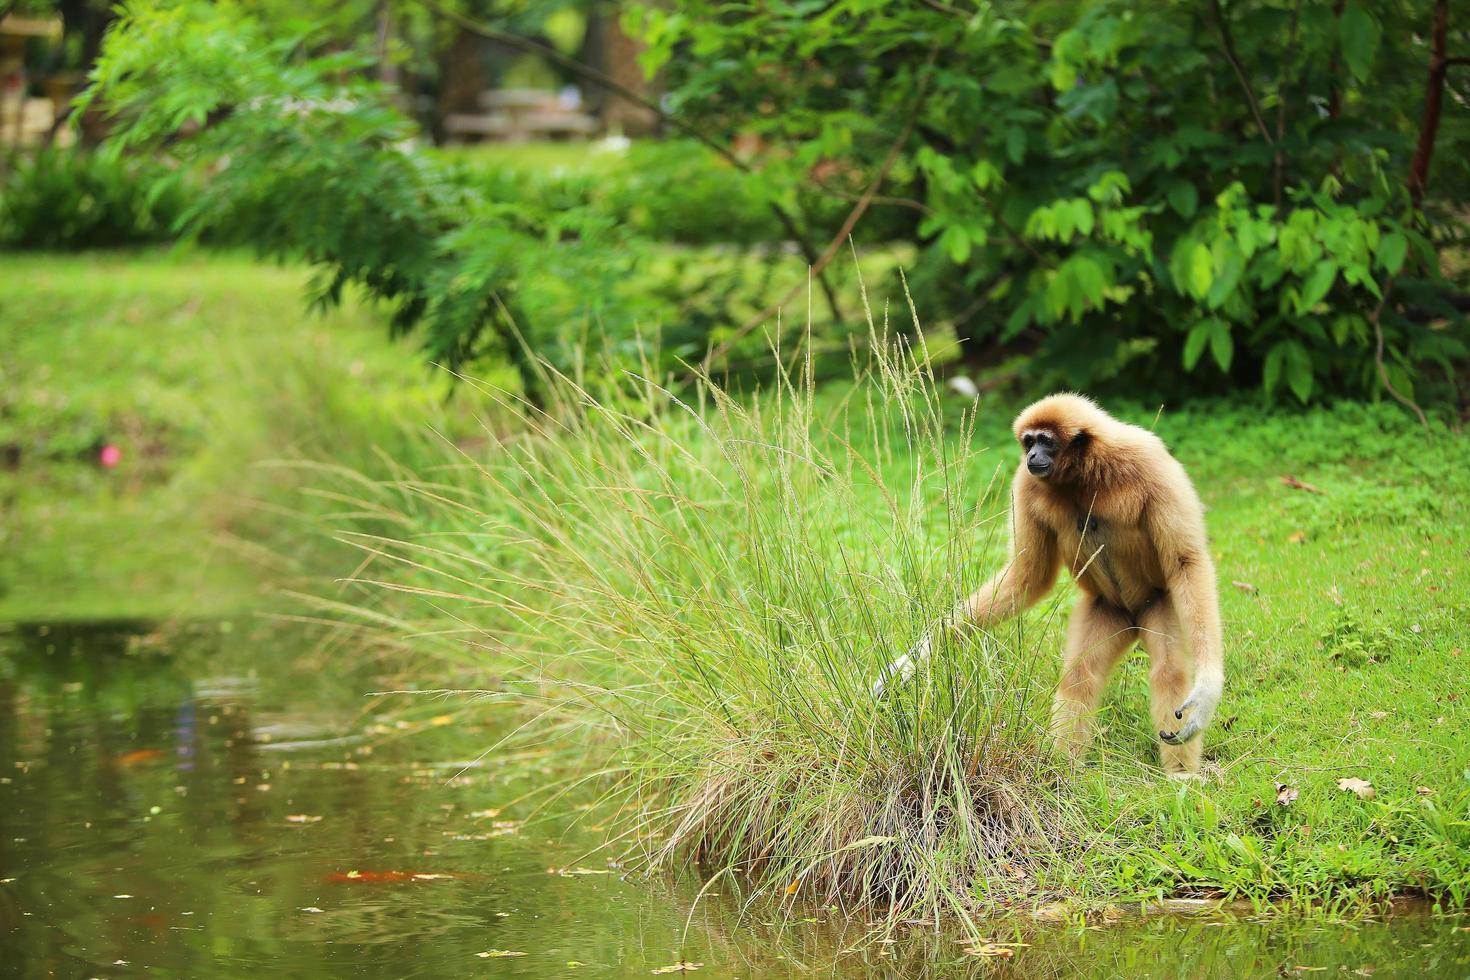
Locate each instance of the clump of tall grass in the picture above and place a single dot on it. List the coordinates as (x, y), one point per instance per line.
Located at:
(701, 591)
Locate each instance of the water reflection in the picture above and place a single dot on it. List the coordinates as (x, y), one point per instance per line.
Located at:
(179, 802)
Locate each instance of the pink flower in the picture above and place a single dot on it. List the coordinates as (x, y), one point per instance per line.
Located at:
(110, 456)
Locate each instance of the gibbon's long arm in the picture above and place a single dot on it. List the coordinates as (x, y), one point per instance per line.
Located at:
(1189, 574)
(1029, 573)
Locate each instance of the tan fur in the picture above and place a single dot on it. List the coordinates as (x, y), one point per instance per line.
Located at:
(1140, 561)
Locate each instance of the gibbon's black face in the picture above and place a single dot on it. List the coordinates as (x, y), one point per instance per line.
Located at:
(1040, 447)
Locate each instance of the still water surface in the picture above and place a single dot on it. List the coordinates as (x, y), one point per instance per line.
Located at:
(198, 802)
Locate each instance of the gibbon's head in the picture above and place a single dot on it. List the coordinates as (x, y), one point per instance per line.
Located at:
(1054, 433)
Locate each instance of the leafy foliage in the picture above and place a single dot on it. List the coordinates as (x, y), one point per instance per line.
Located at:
(59, 199)
(310, 164)
(1126, 187)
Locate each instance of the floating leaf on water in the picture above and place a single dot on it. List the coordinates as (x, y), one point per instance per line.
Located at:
(680, 967)
(379, 877)
(122, 896)
(1361, 787)
(302, 818)
(311, 908)
(570, 872)
(139, 756)
(489, 953)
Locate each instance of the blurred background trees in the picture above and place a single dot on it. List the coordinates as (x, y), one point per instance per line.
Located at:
(1168, 198)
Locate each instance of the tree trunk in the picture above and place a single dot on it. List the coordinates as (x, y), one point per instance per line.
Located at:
(1433, 101)
(461, 78)
(609, 49)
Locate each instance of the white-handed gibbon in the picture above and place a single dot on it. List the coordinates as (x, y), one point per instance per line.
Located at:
(1108, 499)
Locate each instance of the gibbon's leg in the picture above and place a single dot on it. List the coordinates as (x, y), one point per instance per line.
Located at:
(1098, 635)
(1170, 673)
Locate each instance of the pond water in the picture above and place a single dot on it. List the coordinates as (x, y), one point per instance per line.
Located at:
(206, 801)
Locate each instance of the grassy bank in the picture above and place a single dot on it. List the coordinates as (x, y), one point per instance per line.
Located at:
(697, 594)
(197, 368)
(690, 598)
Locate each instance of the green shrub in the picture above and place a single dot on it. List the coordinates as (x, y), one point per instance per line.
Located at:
(1129, 188)
(74, 199)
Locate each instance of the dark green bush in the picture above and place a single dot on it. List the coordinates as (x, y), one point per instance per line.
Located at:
(74, 199)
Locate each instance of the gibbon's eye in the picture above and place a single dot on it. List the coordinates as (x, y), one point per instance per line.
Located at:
(1027, 440)
(1046, 441)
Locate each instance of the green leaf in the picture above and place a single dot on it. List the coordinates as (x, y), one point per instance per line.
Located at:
(1222, 346)
(1298, 370)
(1082, 216)
(984, 174)
(956, 242)
(1232, 265)
(1016, 144)
(1315, 289)
(1271, 370)
(1184, 198)
(1194, 344)
(1392, 250)
(1201, 271)
(1359, 32)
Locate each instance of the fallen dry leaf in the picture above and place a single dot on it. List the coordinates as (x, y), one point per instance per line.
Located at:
(439, 721)
(1296, 484)
(1297, 537)
(1361, 787)
(1286, 794)
(679, 967)
(1423, 790)
(1245, 587)
(791, 889)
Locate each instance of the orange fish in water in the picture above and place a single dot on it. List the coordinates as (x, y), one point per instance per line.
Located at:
(380, 877)
(139, 756)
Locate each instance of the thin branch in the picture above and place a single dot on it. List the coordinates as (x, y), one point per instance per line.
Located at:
(879, 199)
(1376, 318)
(612, 85)
(1227, 45)
(847, 226)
